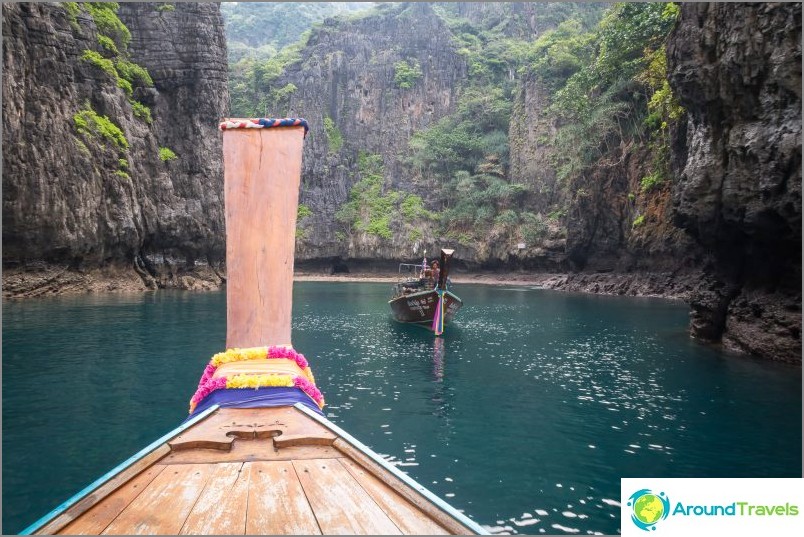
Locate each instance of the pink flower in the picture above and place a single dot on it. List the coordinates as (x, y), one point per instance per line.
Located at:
(209, 370)
(309, 388)
(289, 353)
(207, 388)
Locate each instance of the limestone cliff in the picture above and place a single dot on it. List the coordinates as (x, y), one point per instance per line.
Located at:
(100, 172)
(736, 68)
(346, 79)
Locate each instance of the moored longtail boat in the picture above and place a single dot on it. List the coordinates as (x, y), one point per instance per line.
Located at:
(257, 455)
(430, 304)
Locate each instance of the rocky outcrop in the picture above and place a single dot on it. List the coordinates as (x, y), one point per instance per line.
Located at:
(189, 70)
(347, 76)
(592, 228)
(736, 68)
(81, 200)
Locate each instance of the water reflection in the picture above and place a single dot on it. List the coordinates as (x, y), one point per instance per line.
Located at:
(438, 358)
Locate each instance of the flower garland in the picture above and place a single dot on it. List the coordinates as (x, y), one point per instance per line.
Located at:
(209, 383)
(256, 353)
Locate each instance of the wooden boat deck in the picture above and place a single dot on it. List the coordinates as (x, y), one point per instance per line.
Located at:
(268, 471)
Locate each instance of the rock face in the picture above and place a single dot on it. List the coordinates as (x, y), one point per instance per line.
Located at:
(736, 68)
(346, 76)
(596, 235)
(190, 74)
(77, 200)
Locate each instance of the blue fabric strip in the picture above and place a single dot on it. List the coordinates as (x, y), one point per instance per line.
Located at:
(256, 398)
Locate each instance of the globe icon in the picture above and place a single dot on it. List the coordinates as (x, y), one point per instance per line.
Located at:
(648, 509)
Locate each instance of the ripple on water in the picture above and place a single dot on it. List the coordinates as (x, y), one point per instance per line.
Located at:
(555, 386)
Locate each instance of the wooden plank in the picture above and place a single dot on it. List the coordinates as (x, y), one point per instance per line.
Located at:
(407, 517)
(105, 511)
(340, 504)
(163, 506)
(276, 502)
(103, 491)
(221, 508)
(252, 451)
(219, 431)
(439, 516)
(262, 171)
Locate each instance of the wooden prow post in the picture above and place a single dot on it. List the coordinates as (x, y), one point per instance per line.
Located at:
(262, 171)
(446, 256)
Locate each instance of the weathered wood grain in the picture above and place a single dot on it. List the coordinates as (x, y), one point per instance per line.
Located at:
(431, 510)
(221, 508)
(94, 521)
(103, 491)
(262, 171)
(340, 504)
(407, 517)
(162, 508)
(277, 504)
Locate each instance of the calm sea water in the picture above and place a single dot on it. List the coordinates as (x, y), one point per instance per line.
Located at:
(526, 415)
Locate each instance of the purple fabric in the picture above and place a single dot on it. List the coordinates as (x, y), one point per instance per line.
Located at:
(261, 397)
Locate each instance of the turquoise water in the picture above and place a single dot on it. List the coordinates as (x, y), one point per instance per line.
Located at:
(526, 415)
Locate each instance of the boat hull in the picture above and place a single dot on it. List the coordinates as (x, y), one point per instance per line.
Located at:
(258, 471)
(419, 308)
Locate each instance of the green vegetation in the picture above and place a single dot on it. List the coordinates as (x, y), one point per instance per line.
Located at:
(108, 44)
(464, 157)
(264, 39)
(371, 207)
(113, 36)
(334, 136)
(108, 23)
(166, 6)
(135, 74)
(122, 174)
(90, 124)
(108, 67)
(166, 154)
(104, 64)
(141, 111)
(278, 24)
(606, 102)
(415, 235)
(122, 164)
(251, 82)
(603, 72)
(649, 182)
(72, 14)
(303, 212)
(638, 221)
(406, 74)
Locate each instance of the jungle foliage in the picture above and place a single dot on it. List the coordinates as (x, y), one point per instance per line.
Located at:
(606, 74)
(603, 67)
(263, 38)
(374, 208)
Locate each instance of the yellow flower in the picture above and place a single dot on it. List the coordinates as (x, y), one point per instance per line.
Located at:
(259, 381)
(309, 374)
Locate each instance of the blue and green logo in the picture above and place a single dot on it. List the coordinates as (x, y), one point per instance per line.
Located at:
(648, 508)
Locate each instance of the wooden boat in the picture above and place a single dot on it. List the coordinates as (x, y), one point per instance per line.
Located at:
(257, 455)
(425, 301)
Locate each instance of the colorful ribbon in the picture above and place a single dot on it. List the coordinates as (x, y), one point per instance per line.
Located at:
(264, 123)
(438, 318)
